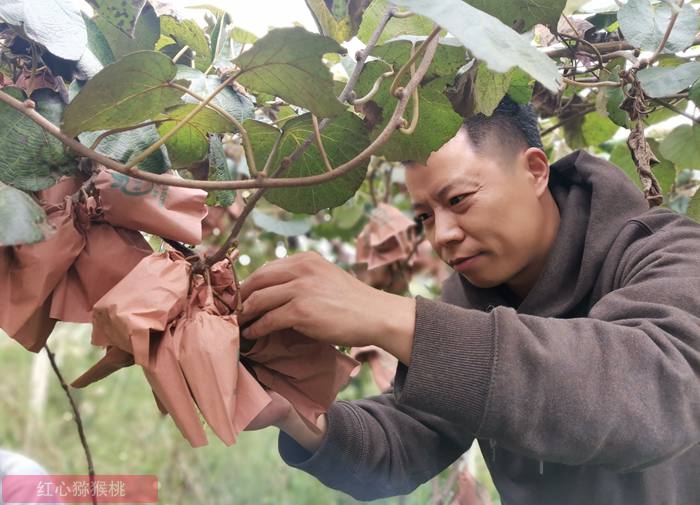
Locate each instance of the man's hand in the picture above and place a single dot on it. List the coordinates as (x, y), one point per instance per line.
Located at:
(315, 297)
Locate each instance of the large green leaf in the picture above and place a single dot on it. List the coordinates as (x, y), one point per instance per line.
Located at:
(238, 105)
(343, 138)
(664, 81)
(31, 159)
(55, 24)
(124, 146)
(188, 33)
(488, 39)
(521, 87)
(263, 137)
(22, 219)
(682, 146)
(191, 143)
(218, 171)
(437, 123)
(644, 25)
(287, 63)
(128, 92)
(413, 25)
(694, 93)
(290, 228)
(120, 14)
(621, 157)
(521, 15)
(146, 34)
(694, 207)
(597, 129)
(338, 19)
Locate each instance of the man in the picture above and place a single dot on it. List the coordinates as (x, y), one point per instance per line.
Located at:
(567, 341)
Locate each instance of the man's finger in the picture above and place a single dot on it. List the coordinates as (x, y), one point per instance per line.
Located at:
(278, 319)
(269, 275)
(264, 300)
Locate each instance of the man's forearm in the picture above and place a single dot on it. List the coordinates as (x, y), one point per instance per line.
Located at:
(399, 326)
(299, 431)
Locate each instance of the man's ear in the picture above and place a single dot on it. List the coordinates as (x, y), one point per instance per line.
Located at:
(538, 166)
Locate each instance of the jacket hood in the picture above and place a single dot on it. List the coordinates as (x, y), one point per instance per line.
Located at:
(595, 200)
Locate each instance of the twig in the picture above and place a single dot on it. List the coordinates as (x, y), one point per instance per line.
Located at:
(676, 110)
(408, 130)
(561, 123)
(412, 60)
(373, 91)
(244, 133)
(594, 84)
(271, 156)
(180, 124)
(319, 143)
(107, 133)
(78, 421)
(180, 53)
(664, 40)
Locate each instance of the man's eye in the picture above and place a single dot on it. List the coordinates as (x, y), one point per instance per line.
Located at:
(456, 199)
(421, 218)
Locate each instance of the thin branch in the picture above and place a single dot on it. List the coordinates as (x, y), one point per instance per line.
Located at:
(594, 84)
(412, 60)
(78, 421)
(664, 40)
(676, 110)
(319, 143)
(271, 156)
(107, 133)
(180, 53)
(401, 14)
(561, 123)
(408, 130)
(229, 117)
(155, 146)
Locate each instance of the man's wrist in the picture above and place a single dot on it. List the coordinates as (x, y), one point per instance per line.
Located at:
(398, 328)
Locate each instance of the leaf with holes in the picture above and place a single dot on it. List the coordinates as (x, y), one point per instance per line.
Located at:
(31, 159)
(128, 92)
(191, 143)
(188, 33)
(122, 15)
(146, 33)
(23, 220)
(488, 39)
(287, 63)
(343, 138)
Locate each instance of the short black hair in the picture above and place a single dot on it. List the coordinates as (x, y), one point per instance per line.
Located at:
(510, 120)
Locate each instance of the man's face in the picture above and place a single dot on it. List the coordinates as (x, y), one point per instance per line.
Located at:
(471, 204)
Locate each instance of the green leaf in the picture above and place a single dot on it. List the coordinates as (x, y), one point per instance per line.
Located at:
(124, 146)
(521, 87)
(122, 15)
(682, 146)
(449, 56)
(277, 226)
(615, 96)
(437, 123)
(98, 53)
(521, 15)
(238, 105)
(191, 143)
(55, 24)
(22, 219)
(218, 171)
(263, 137)
(489, 88)
(340, 30)
(128, 92)
(188, 33)
(693, 211)
(413, 25)
(146, 34)
(32, 159)
(243, 36)
(344, 138)
(664, 81)
(287, 63)
(488, 39)
(694, 93)
(597, 129)
(621, 157)
(644, 25)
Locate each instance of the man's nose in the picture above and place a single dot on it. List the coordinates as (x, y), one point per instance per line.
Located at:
(447, 229)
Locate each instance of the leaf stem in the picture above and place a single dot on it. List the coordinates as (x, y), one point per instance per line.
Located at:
(179, 54)
(411, 61)
(375, 87)
(107, 133)
(664, 40)
(319, 143)
(232, 119)
(594, 84)
(676, 110)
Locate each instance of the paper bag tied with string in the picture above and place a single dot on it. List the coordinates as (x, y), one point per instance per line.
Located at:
(30, 272)
(387, 237)
(167, 211)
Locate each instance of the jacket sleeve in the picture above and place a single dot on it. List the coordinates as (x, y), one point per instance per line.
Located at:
(619, 388)
(374, 449)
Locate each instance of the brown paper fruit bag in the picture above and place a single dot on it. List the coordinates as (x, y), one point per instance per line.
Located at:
(387, 237)
(167, 211)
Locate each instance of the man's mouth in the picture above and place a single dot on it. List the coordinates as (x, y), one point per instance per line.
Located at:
(463, 261)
